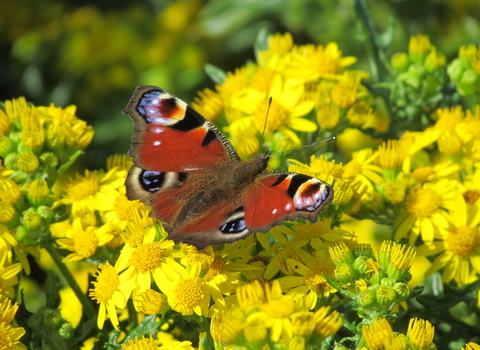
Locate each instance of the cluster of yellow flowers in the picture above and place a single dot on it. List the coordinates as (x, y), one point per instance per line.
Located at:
(269, 290)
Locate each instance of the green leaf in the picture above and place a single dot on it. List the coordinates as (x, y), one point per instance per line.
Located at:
(415, 292)
(218, 75)
(68, 163)
(339, 287)
(146, 327)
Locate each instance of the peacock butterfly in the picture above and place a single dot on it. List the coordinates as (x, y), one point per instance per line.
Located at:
(196, 184)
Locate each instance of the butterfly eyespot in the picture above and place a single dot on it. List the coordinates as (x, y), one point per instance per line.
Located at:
(234, 226)
(151, 181)
(235, 223)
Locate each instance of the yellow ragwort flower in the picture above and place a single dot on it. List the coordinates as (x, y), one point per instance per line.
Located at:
(377, 333)
(420, 333)
(459, 247)
(111, 291)
(425, 213)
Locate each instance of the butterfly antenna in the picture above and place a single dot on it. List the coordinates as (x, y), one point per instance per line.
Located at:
(266, 119)
(309, 145)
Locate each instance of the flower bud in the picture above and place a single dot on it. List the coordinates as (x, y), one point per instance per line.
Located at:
(344, 273)
(38, 193)
(6, 146)
(385, 295)
(402, 290)
(360, 265)
(28, 162)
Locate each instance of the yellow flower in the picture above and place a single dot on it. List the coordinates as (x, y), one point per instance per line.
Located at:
(152, 344)
(310, 62)
(319, 235)
(471, 346)
(209, 104)
(111, 291)
(187, 292)
(9, 191)
(143, 257)
(10, 337)
(83, 191)
(150, 302)
(377, 333)
(116, 209)
(328, 116)
(277, 56)
(425, 213)
(344, 95)
(83, 242)
(459, 248)
(419, 45)
(327, 325)
(420, 333)
(286, 109)
(277, 312)
(226, 326)
(8, 272)
(310, 282)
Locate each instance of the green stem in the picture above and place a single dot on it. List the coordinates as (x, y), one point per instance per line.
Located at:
(205, 326)
(86, 303)
(363, 13)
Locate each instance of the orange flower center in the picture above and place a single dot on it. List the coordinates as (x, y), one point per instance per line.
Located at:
(423, 203)
(462, 241)
(146, 257)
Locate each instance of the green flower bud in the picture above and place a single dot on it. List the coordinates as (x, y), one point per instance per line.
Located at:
(50, 159)
(360, 265)
(6, 146)
(9, 191)
(340, 253)
(31, 220)
(45, 212)
(38, 193)
(388, 282)
(28, 162)
(8, 215)
(16, 137)
(366, 297)
(344, 273)
(469, 77)
(21, 233)
(11, 161)
(66, 331)
(362, 249)
(455, 69)
(22, 148)
(378, 276)
(400, 62)
(385, 295)
(402, 290)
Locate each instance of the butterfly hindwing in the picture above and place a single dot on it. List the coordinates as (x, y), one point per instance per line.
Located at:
(279, 196)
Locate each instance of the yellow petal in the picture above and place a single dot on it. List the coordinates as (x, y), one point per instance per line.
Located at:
(431, 248)
(463, 271)
(439, 262)
(301, 124)
(302, 109)
(427, 230)
(450, 269)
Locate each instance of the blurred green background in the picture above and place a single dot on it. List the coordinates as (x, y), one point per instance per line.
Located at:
(94, 53)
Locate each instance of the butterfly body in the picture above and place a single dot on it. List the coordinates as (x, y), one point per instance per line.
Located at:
(197, 185)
